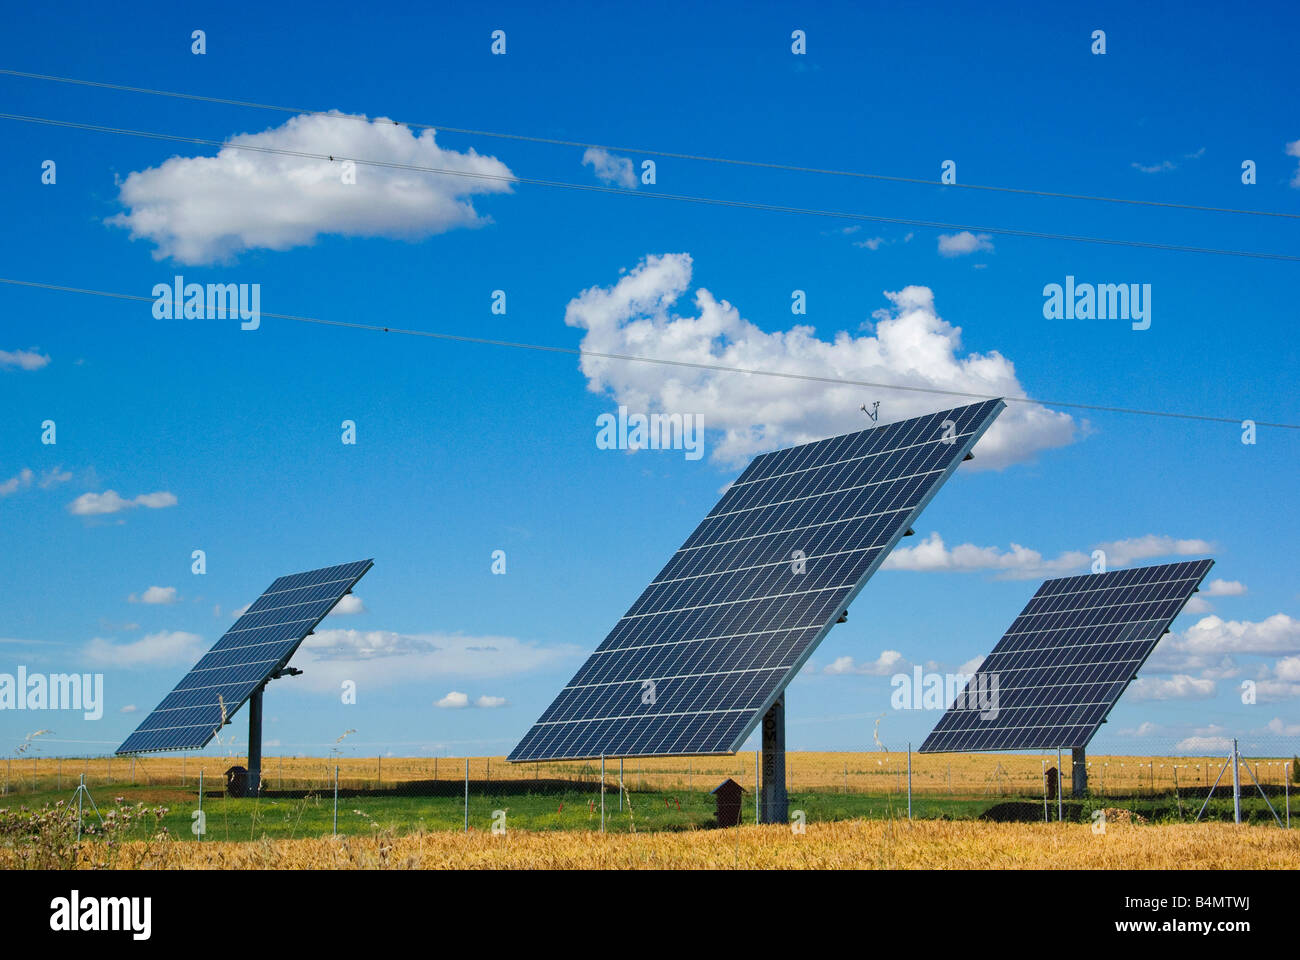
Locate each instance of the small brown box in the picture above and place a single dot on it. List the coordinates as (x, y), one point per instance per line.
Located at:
(728, 795)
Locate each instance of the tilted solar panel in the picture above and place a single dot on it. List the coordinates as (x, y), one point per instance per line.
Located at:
(711, 643)
(1052, 679)
(257, 646)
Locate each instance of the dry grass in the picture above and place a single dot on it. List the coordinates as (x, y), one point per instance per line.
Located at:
(853, 844)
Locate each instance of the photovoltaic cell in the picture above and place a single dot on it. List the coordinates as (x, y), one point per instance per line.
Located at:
(1052, 679)
(259, 644)
(707, 648)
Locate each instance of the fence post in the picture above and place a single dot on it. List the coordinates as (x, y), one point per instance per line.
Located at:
(380, 771)
(756, 785)
(1236, 783)
(909, 780)
(467, 794)
(1286, 778)
(620, 784)
(133, 771)
(602, 793)
(1060, 802)
(336, 799)
(200, 802)
(58, 774)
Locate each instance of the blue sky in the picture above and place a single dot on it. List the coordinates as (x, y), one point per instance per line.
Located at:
(466, 449)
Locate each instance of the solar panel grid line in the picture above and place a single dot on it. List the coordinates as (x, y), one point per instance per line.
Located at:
(243, 659)
(1067, 674)
(720, 631)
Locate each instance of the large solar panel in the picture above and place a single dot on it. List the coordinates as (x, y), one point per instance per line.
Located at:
(691, 668)
(1052, 679)
(257, 646)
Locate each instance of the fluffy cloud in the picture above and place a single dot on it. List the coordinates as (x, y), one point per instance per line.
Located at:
(21, 481)
(1018, 562)
(455, 700)
(1212, 647)
(889, 662)
(1293, 150)
(95, 504)
(23, 359)
(610, 168)
(165, 646)
(386, 657)
(1178, 687)
(1225, 588)
(961, 244)
(911, 345)
(208, 209)
(1283, 729)
(155, 595)
(349, 604)
(1212, 635)
(1120, 553)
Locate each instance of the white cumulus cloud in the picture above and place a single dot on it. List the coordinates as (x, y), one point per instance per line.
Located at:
(911, 346)
(1018, 562)
(208, 209)
(96, 504)
(1225, 588)
(1178, 687)
(165, 646)
(155, 595)
(889, 662)
(961, 244)
(23, 359)
(454, 700)
(610, 168)
(389, 658)
(350, 603)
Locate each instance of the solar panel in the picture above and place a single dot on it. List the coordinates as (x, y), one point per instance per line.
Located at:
(711, 643)
(256, 647)
(1063, 664)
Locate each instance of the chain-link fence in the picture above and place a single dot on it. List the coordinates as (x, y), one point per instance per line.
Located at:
(194, 798)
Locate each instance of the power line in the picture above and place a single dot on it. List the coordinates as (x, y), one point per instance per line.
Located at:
(685, 198)
(784, 375)
(554, 141)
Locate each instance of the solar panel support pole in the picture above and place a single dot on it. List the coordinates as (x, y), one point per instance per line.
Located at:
(602, 793)
(620, 784)
(1078, 771)
(774, 799)
(1060, 794)
(255, 743)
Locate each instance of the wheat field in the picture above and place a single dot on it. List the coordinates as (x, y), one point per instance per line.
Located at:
(857, 844)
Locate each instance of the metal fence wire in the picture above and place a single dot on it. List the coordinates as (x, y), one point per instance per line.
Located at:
(350, 795)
